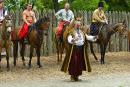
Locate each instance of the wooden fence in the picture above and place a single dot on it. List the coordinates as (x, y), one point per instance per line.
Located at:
(117, 43)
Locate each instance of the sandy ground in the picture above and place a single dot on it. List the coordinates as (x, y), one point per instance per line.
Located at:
(115, 73)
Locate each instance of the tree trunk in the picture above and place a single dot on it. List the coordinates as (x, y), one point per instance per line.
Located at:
(55, 5)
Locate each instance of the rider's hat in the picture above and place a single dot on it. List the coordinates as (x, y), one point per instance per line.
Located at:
(100, 4)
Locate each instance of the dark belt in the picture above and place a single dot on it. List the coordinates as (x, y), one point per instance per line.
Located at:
(78, 47)
(97, 23)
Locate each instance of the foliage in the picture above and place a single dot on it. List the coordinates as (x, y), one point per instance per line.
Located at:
(83, 4)
(117, 5)
(14, 5)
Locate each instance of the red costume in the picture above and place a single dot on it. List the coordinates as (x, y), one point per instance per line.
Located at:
(60, 27)
(23, 31)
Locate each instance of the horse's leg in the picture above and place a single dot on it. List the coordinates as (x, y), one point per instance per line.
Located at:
(15, 51)
(129, 43)
(92, 51)
(38, 56)
(22, 53)
(102, 53)
(0, 58)
(31, 54)
(7, 58)
(57, 50)
(61, 51)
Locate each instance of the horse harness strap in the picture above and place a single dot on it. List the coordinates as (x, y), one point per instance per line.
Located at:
(113, 30)
(100, 28)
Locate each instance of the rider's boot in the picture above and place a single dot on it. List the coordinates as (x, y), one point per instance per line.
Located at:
(26, 40)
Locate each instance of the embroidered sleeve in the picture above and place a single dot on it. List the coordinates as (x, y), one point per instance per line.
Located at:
(6, 13)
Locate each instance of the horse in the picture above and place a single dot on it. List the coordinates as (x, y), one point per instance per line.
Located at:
(5, 42)
(128, 36)
(104, 36)
(60, 42)
(35, 38)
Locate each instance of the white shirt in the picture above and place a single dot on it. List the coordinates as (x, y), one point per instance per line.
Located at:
(65, 15)
(80, 38)
(2, 14)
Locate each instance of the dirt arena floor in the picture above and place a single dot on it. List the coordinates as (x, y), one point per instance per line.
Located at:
(114, 73)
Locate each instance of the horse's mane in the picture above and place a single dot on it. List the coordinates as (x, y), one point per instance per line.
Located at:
(41, 20)
(68, 30)
(38, 22)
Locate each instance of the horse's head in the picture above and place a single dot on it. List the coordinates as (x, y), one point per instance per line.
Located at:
(44, 23)
(121, 28)
(86, 29)
(7, 22)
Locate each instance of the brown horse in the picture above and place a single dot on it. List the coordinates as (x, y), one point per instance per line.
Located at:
(35, 37)
(5, 29)
(105, 34)
(60, 43)
(128, 36)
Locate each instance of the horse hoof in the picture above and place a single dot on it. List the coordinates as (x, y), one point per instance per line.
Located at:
(24, 64)
(14, 64)
(97, 60)
(29, 67)
(102, 62)
(8, 69)
(40, 66)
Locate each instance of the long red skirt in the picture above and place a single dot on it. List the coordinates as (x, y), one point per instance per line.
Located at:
(23, 31)
(77, 63)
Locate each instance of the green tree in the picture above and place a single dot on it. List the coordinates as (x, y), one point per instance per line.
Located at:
(86, 4)
(119, 5)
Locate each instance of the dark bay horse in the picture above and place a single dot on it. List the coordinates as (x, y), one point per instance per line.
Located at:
(104, 36)
(35, 37)
(128, 36)
(5, 42)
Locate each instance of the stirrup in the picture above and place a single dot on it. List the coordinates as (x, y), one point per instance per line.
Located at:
(25, 41)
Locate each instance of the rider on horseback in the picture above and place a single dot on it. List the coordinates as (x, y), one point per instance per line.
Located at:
(64, 16)
(3, 11)
(98, 18)
(28, 18)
